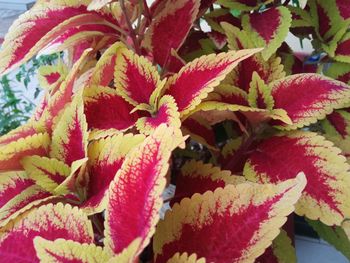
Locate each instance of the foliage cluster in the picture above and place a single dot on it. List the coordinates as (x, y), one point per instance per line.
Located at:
(247, 131)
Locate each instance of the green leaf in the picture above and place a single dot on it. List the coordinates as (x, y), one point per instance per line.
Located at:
(334, 235)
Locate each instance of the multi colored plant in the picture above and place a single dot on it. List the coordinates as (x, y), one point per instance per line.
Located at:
(145, 99)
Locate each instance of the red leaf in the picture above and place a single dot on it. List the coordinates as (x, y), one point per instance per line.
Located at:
(106, 156)
(268, 29)
(342, 52)
(336, 129)
(12, 153)
(135, 193)
(51, 76)
(282, 157)
(105, 109)
(234, 224)
(103, 73)
(64, 94)
(199, 130)
(199, 77)
(135, 77)
(18, 193)
(23, 131)
(166, 113)
(176, 16)
(322, 17)
(265, 23)
(197, 177)
(70, 136)
(269, 70)
(50, 222)
(344, 8)
(308, 97)
(42, 24)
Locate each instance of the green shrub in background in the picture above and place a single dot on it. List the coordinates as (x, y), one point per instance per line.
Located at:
(15, 105)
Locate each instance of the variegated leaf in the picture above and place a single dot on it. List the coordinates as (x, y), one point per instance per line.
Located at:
(76, 39)
(129, 253)
(230, 94)
(337, 129)
(63, 96)
(167, 113)
(199, 130)
(342, 53)
(218, 39)
(213, 115)
(320, 19)
(295, 63)
(143, 172)
(338, 71)
(40, 107)
(229, 149)
(240, 220)
(106, 156)
(51, 76)
(199, 77)
(12, 153)
(185, 258)
(49, 222)
(329, 19)
(282, 157)
(18, 193)
(105, 109)
(197, 177)
(76, 181)
(300, 17)
(176, 16)
(42, 24)
(268, 29)
(220, 15)
(46, 172)
(223, 111)
(268, 70)
(70, 136)
(242, 75)
(103, 73)
(308, 97)
(82, 42)
(99, 134)
(236, 38)
(26, 130)
(343, 8)
(62, 250)
(259, 95)
(135, 77)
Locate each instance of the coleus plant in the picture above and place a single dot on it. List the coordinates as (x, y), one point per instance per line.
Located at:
(146, 99)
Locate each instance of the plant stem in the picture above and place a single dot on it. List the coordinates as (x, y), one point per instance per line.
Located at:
(286, 2)
(131, 29)
(147, 12)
